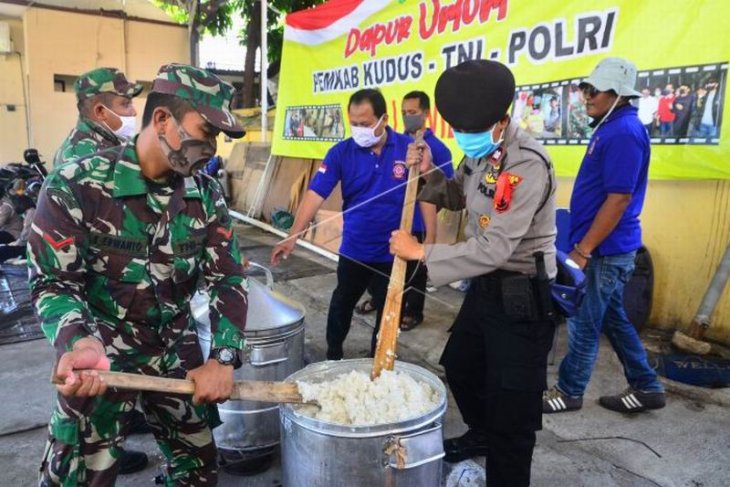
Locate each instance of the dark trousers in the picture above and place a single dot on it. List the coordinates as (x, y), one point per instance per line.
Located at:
(6, 237)
(352, 280)
(414, 297)
(496, 368)
(11, 252)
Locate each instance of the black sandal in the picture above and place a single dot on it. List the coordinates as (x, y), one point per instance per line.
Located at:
(409, 322)
(366, 307)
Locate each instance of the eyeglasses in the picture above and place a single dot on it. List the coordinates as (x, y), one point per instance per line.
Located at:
(589, 91)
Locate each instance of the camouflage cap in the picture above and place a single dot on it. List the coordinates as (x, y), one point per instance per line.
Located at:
(206, 92)
(105, 80)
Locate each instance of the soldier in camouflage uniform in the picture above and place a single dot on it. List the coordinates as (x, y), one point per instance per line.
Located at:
(117, 247)
(106, 114)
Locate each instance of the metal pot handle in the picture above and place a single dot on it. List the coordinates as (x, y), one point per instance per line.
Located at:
(272, 353)
(267, 271)
(409, 451)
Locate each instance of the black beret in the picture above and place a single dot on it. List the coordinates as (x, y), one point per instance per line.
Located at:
(475, 94)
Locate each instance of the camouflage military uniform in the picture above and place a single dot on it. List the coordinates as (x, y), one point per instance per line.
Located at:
(88, 136)
(116, 256)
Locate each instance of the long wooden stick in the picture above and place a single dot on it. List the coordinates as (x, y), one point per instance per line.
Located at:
(390, 322)
(246, 390)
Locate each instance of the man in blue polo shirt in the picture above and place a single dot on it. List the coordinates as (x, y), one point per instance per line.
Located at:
(605, 233)
(370, 167)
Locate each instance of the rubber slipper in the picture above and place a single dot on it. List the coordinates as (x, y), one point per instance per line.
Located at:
(365, 307)
(409, 323)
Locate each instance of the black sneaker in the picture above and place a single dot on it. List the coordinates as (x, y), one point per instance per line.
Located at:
(470, 444)
(137, 423)
(132, 462)
(556, 401)
(632, 401)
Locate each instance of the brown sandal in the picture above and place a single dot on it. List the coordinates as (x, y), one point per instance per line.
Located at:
(409, 322)
(366, 307)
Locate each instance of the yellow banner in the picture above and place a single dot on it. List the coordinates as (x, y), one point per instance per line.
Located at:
(680, 48)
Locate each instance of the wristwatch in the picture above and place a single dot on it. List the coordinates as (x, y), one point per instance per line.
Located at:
(225, 355)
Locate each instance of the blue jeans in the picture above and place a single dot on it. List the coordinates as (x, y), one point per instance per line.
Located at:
(707, 130)
(666, 129)
(603, 311)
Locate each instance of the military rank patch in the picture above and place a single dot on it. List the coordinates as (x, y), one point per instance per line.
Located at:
(484, 221)
(495, 158)
(226, 233)
(58, 244)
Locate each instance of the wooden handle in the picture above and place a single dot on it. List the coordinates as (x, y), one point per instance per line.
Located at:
(390, 322)
(249, 390)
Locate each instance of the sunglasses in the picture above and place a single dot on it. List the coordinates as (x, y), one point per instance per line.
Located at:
(590, 91)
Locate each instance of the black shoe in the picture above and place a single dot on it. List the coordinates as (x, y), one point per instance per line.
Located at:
(132, 461)
(556, 401)
(632, 401)
(334, 354)
(470, 444)
(137, 423)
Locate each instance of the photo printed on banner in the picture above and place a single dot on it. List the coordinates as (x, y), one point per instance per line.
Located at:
(314, 123)
(680, 105)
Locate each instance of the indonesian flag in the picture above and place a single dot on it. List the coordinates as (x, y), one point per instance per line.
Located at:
(329, 20)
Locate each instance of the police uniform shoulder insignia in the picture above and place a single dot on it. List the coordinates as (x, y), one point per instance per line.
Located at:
(484, 221)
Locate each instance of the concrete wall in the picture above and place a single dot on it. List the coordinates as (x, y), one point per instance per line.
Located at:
(68, 44)
(686, 227)
(13, 133)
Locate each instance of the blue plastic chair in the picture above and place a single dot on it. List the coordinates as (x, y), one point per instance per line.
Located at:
(562, 242)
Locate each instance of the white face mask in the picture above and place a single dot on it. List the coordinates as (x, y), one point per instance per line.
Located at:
(365, 136)
(128, 128)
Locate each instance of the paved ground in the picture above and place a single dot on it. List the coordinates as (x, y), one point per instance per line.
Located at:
(685, 444)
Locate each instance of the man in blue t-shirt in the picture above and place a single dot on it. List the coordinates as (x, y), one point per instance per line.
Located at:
(414, 108)
(605, 233)
(370, 167)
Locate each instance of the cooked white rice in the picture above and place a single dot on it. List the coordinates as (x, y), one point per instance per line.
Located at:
(353, 399)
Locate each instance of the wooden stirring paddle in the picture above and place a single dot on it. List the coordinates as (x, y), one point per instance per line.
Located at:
(245, 390)
(390, 322)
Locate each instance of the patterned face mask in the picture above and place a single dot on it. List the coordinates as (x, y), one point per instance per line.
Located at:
(192, 154)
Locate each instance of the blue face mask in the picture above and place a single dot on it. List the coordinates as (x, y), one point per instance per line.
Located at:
(477, 145)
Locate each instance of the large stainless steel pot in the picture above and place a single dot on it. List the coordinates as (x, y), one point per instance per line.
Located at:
(315, 453)
(274, 350)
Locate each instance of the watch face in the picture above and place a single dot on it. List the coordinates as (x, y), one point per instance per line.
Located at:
(225, 355)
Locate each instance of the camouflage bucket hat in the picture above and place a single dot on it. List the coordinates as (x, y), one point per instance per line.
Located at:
(105, 80)
(208, 94)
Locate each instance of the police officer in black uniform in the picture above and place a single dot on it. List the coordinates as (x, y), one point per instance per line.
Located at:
(496, 357)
